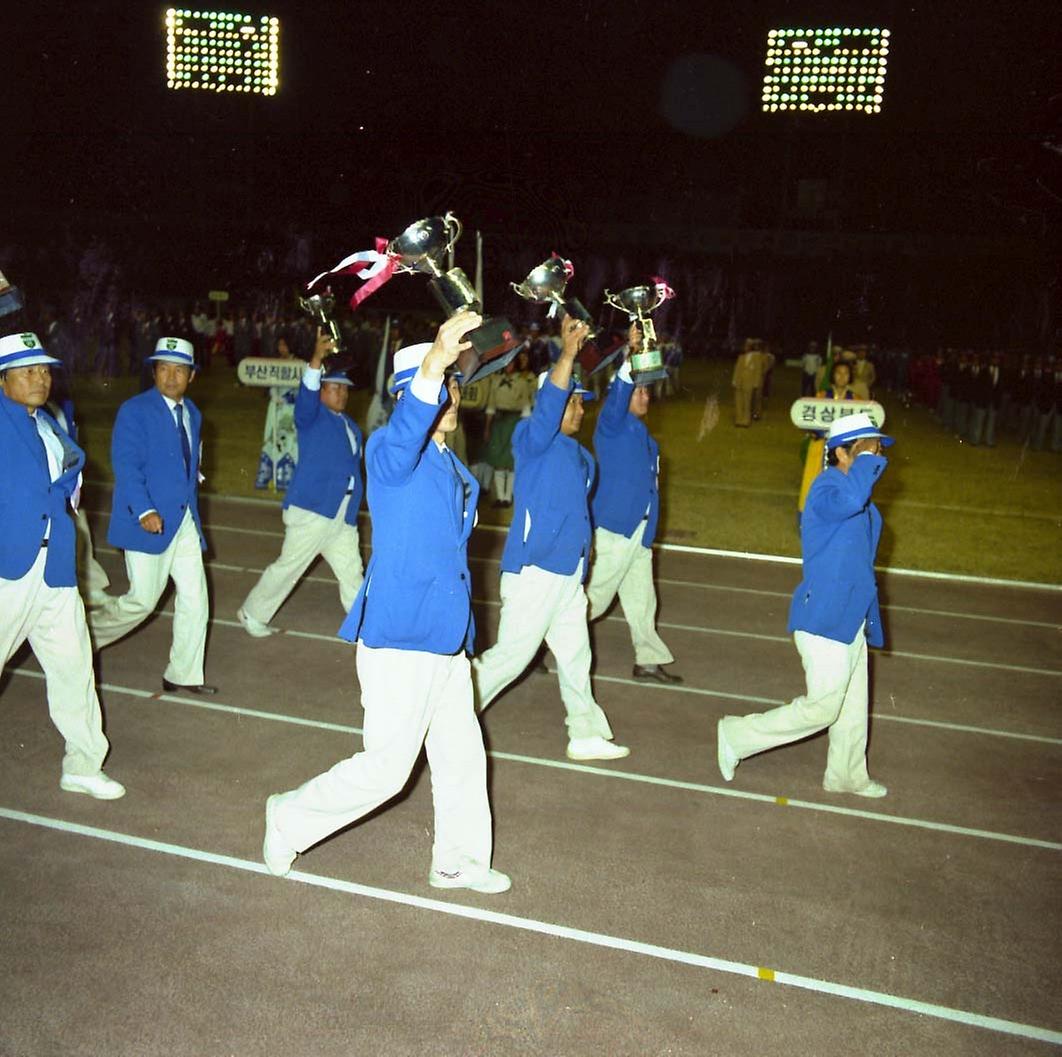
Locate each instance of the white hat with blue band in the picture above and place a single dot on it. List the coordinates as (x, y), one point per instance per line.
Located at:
(849, 428)
(586, 394)
(174, 350)
(407, 363)
(24, 350)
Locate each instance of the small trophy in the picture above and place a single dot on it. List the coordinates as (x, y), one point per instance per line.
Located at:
(421, 248)
(639, 302)
(10, 297)
(545, 285)
(319, 307)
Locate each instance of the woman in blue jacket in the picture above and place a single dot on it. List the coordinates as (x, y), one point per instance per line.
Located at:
(833, 615)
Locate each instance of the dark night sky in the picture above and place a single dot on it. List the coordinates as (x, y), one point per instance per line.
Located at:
(545, 109)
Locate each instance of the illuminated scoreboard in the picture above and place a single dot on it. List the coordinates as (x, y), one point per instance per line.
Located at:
(825, 69)
(218, 51)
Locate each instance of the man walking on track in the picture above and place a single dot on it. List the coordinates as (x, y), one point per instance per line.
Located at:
(155, 452)
(626, 509)
(833, 615)
(413, 624)
(544, 563)
(40, 478)
(321, 506)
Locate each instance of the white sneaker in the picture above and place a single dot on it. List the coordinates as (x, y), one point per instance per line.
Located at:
(725, 755)
(277, 854)
(97, 785)
(596, 748)
(871, 789)
(255, 627)
(473, 875)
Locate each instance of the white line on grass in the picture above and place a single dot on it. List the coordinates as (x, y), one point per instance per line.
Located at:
(556, 931)
(604, 772)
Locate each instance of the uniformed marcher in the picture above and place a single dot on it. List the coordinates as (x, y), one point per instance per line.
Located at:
(626, 510)
(155, 452)
(544, 564)
(40, 478)
(833, 615)
(321, 506)
(413, 624)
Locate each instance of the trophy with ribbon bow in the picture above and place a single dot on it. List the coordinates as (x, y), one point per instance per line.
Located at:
(639, 302)
(320, 308)
(545, 285)
(421, 248)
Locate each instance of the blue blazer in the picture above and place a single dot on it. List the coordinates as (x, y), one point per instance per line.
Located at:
(29, 498)
(629, 462)
(417, 592)
(326, 461)
(839, 535)
(554, 475)
(149, 473)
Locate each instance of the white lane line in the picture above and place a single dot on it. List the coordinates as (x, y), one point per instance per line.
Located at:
(602, 772)
(691, 628)
(548, 928)
(711, 552)
(771, 702)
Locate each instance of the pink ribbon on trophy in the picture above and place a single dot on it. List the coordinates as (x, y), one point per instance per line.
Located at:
(569, 268)
(373, 266)
(664, 291)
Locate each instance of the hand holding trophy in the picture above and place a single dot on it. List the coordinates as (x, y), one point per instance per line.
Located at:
(647, 364)
(545, 285)
(320, 308)
(421, 248)
(323, 347)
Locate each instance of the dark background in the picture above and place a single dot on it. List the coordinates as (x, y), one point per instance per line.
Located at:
(626, 130)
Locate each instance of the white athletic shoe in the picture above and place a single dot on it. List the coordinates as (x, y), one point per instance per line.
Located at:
(277, 854)
(473, 875)
(255, 627)
(596, 748)
(871, 789)
(725, 755)
(97, 785)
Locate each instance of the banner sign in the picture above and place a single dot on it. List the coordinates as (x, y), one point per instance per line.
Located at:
(818, 412)
(257, 370)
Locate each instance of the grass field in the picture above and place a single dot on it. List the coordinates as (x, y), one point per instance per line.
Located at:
(947, 506)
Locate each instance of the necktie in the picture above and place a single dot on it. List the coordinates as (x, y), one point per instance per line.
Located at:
(186, 448)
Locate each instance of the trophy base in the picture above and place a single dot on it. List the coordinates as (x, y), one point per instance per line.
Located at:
(575, 308)
(592, 359)
(494, 346)
(656, 374)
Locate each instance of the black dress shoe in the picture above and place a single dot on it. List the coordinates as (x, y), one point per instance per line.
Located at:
(655, 673)
(202, 688)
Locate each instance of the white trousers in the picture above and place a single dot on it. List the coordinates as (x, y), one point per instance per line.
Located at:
(410, 699)
(53, 620)
(306, 535)
(536, 606)
(182, 562)
(92, 578)
(623, 566)
(836, 699)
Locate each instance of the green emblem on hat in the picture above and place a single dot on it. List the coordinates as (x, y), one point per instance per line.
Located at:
(171, 344)
(29, 340)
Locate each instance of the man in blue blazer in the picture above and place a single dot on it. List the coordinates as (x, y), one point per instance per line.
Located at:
(321, 506)
(40, 479)
(626, 509)
(155, 454)
(833, 615)
(545, 560)
(412, 620)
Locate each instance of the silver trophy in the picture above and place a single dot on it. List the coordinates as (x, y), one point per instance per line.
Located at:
(421, 248)
(545, 285)
(639, 302)
(319, 307)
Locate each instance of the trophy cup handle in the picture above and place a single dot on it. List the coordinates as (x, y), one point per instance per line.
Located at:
(453, 225)
(522, 290)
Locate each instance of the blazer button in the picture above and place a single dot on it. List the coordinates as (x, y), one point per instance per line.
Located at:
(462, 576)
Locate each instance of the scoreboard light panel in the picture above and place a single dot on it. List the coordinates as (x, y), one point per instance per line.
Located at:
(825, 69)
(218, 51)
